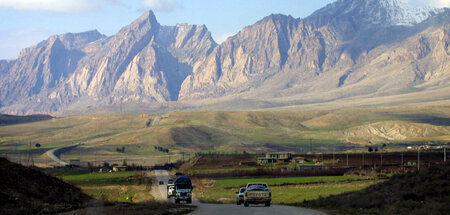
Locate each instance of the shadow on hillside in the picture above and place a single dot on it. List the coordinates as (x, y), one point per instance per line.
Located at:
(423, 118)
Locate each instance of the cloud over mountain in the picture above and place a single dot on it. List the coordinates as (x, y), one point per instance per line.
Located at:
(160, 5)
(65, 6)
(431, 3)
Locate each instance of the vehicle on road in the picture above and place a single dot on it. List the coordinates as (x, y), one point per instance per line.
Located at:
(161, 182)
(240, 196)
(183, 190)
(170, 189)
(257, 193)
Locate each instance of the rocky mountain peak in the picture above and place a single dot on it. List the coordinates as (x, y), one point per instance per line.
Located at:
(347, 49)
(145, 22)
(78, 40)
(378, 12)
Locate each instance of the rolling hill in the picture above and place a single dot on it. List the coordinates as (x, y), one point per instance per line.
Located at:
(252, 131)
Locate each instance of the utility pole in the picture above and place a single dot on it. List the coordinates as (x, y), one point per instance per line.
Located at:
(381, 163)
(445, 155)
(347, 159)
(333, 157)
(402, 161)
(418, 159)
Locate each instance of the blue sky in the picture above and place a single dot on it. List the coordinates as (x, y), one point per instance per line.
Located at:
(24, 23)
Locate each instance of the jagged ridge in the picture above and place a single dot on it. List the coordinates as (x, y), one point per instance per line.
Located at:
(349, 48)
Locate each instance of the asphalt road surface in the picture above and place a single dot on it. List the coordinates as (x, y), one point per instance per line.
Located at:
(160, 191)
(230, 209)
(51, 154)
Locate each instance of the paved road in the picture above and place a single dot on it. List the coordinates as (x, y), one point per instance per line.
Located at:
(160, 191)
(230, 209)
(52, 154)
(156, 120)
(227, 209)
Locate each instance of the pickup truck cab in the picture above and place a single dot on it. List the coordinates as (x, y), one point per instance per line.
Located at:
(257, 193)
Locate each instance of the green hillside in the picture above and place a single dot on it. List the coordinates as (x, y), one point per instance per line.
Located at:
(105, 135)
(426, 192)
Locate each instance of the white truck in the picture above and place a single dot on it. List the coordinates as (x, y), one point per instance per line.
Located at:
(257, 193)
(170, 189)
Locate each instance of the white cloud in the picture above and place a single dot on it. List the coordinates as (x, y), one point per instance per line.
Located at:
(64, 6)
(160, 5)
(432, 3)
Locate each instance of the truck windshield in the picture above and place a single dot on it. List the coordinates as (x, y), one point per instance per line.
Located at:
(184, 186)
(257, 188)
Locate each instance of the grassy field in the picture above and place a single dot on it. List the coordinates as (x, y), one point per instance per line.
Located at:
(284, 190)
(131, 187)
(254, 131)
(423, 192)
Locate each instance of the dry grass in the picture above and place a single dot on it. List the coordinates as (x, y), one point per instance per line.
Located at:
(223, 131)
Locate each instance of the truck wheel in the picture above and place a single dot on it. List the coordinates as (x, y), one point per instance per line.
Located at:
(189, 201)
(177, 201)
(245, 204)
(267, 204)
(238, 202)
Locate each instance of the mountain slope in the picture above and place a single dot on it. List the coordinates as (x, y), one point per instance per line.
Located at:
(348, 49)
(143, 62)
(329, 54)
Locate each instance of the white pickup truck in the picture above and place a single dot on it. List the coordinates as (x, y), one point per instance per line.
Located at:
(257, 193)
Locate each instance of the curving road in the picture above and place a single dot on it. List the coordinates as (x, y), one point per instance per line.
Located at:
(227, 209)
(52, 154)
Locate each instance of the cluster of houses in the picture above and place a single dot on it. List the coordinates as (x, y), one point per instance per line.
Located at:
(286, 157)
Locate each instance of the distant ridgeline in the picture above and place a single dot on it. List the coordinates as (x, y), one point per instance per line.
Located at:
(11, 119)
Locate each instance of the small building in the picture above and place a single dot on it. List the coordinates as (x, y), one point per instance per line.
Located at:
(310, 167)
(120, 168)
(411, 163)
(277, 157)
(298, 159)
(266, 160)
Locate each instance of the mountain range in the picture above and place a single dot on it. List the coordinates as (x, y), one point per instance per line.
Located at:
(350, 50)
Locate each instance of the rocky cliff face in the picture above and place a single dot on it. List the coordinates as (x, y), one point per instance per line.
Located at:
(349, 48)
(143, 62)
